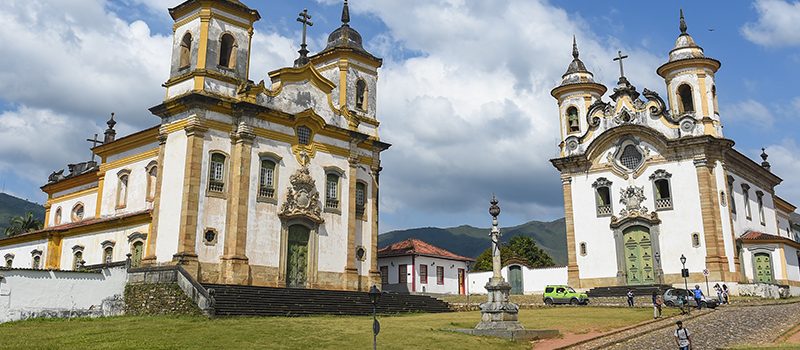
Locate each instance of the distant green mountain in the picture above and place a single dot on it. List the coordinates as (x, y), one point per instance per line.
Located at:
(12, 206)
(471, 241)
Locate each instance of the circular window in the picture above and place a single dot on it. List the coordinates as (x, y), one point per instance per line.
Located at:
(210, 236)
(630, 158)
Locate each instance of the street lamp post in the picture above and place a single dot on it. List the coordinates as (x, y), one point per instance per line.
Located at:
(374, 296)
(685, 274)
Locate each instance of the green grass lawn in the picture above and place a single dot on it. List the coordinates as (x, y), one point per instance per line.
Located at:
(413, 331)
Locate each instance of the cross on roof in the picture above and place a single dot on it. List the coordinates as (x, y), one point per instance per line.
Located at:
(94, 142)
(305, 20)
(619, 58)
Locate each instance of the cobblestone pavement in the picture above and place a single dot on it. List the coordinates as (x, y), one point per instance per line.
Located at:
(724, 327)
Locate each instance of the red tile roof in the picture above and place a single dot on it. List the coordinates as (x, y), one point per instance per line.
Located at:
(755, 236)
(415, 246)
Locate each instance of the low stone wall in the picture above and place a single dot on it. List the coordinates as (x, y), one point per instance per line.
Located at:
(158, 299)
(770, 291)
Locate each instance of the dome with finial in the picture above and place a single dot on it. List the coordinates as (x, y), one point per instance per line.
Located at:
(576, 71)
(345, 36)
(685, 47)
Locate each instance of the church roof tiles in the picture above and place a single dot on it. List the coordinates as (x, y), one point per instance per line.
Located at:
(761, 237)
(415, 246)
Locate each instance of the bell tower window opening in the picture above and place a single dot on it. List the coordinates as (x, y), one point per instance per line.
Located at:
(185, 51)
(685, 101)
(227, 52)
(602, 188)
(361, 95)
(216, 178)
(631, 158)
(573, 124)
(303, 135)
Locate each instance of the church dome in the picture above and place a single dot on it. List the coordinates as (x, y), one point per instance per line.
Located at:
(685, 47)
(347, 37)
(576, 71)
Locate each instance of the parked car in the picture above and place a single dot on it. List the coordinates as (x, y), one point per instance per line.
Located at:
(561, 294)
(673, 295)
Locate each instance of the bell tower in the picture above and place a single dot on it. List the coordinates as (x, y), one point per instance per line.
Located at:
(689, 76)
(353, 70)
(575, 94)
(210, 47)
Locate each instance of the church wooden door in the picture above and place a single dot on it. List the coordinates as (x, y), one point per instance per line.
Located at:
(763, 268)
(515, 279)
(297, 257)
(638, 256)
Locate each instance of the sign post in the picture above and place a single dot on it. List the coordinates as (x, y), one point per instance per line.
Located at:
(705, 273)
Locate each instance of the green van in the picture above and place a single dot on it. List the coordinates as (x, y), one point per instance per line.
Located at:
(560, 294)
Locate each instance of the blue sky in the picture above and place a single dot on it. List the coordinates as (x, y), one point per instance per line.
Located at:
(463, 94)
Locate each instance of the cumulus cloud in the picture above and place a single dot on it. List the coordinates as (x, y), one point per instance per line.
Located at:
(776, 24)
(750, 112)
(470, 112)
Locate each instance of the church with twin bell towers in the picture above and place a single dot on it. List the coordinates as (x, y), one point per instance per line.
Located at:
(649, 180)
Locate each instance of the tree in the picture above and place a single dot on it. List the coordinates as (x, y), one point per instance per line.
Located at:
(519, 247)
(18, 225)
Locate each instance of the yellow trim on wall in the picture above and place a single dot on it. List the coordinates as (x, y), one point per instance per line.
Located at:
(129, 160)
(72, 195)
(99, 202)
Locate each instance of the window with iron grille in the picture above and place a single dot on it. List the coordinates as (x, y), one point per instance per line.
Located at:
(440, 275)
(303, 135)
(332, 191)
(361, 190)
(266, 184)
(631, 157)
(423, 274)
(216, 178)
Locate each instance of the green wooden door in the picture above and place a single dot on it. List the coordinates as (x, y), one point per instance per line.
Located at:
(763, 268)
(297, 257)
(515, 279)
(638, 250)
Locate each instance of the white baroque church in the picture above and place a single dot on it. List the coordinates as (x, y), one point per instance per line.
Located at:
(647, 181)
(270, 183)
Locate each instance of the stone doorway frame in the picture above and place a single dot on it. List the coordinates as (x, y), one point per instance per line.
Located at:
(652, 227)
(313, 249)
(762, 249)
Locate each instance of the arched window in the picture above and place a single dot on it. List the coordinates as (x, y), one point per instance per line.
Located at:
(714, 96)
(303, 135)
(77, 212)
(602, 189)
(685, 101)
(583, 248)
(361, 95)
(266, 183)
(108, 255)
(227, 51)
(760, 200)
(216, 176)
(746, 193)
(77, 258)
(361, 198)
(37, 261)
(137, 249)
(122, 189)
(9, 260)
(57, 217)
(573, 123)
(630, 157)
(186, 51)
(332, 191)
(152, 178)
(695, 240)
(662, 189)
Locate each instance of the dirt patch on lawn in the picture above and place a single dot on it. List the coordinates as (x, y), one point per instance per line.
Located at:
(565, 340)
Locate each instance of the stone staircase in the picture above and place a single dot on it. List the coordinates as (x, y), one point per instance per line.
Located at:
(236, 300)
(621, 291)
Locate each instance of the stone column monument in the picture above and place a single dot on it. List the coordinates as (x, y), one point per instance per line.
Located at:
(497, 313)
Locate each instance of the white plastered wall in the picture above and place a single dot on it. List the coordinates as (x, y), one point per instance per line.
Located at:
(533, 280)
(22, 253)
(88, 200)
(741, 223)
(451, 267)
(137, 189)
(92, 245)
(171, 196)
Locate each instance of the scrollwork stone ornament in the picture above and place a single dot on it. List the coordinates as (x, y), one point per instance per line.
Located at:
(632, 198)
(302, 199)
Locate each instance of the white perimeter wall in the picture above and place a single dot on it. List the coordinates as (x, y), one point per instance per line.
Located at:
(533, 280)
(39, 293)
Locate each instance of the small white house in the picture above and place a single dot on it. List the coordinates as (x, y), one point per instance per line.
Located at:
(523, 279)
(414, 266)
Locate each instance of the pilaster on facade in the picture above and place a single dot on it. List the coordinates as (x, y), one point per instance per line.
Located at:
(716, 261)
(150, 253)
(187, 233)
(573, 273)
(235, 267)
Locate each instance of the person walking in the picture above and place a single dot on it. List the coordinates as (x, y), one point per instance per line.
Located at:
(657, 301)
(683, 337)
(630, 298)
(725, 292)
(719, 292)
(698, 295)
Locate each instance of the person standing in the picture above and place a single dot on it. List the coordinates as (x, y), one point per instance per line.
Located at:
(630, 298)
(698, 295)
(718, 289)
(683, 337)
(657, 301)
(725, 292)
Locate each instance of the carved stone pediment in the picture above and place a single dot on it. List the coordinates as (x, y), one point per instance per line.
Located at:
(302, 199)
(632, 199)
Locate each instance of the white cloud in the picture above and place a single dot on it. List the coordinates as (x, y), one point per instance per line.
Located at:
(750, 112)
(777, 23)
(785, 162)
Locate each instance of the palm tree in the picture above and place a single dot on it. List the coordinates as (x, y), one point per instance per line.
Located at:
(22, 224)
